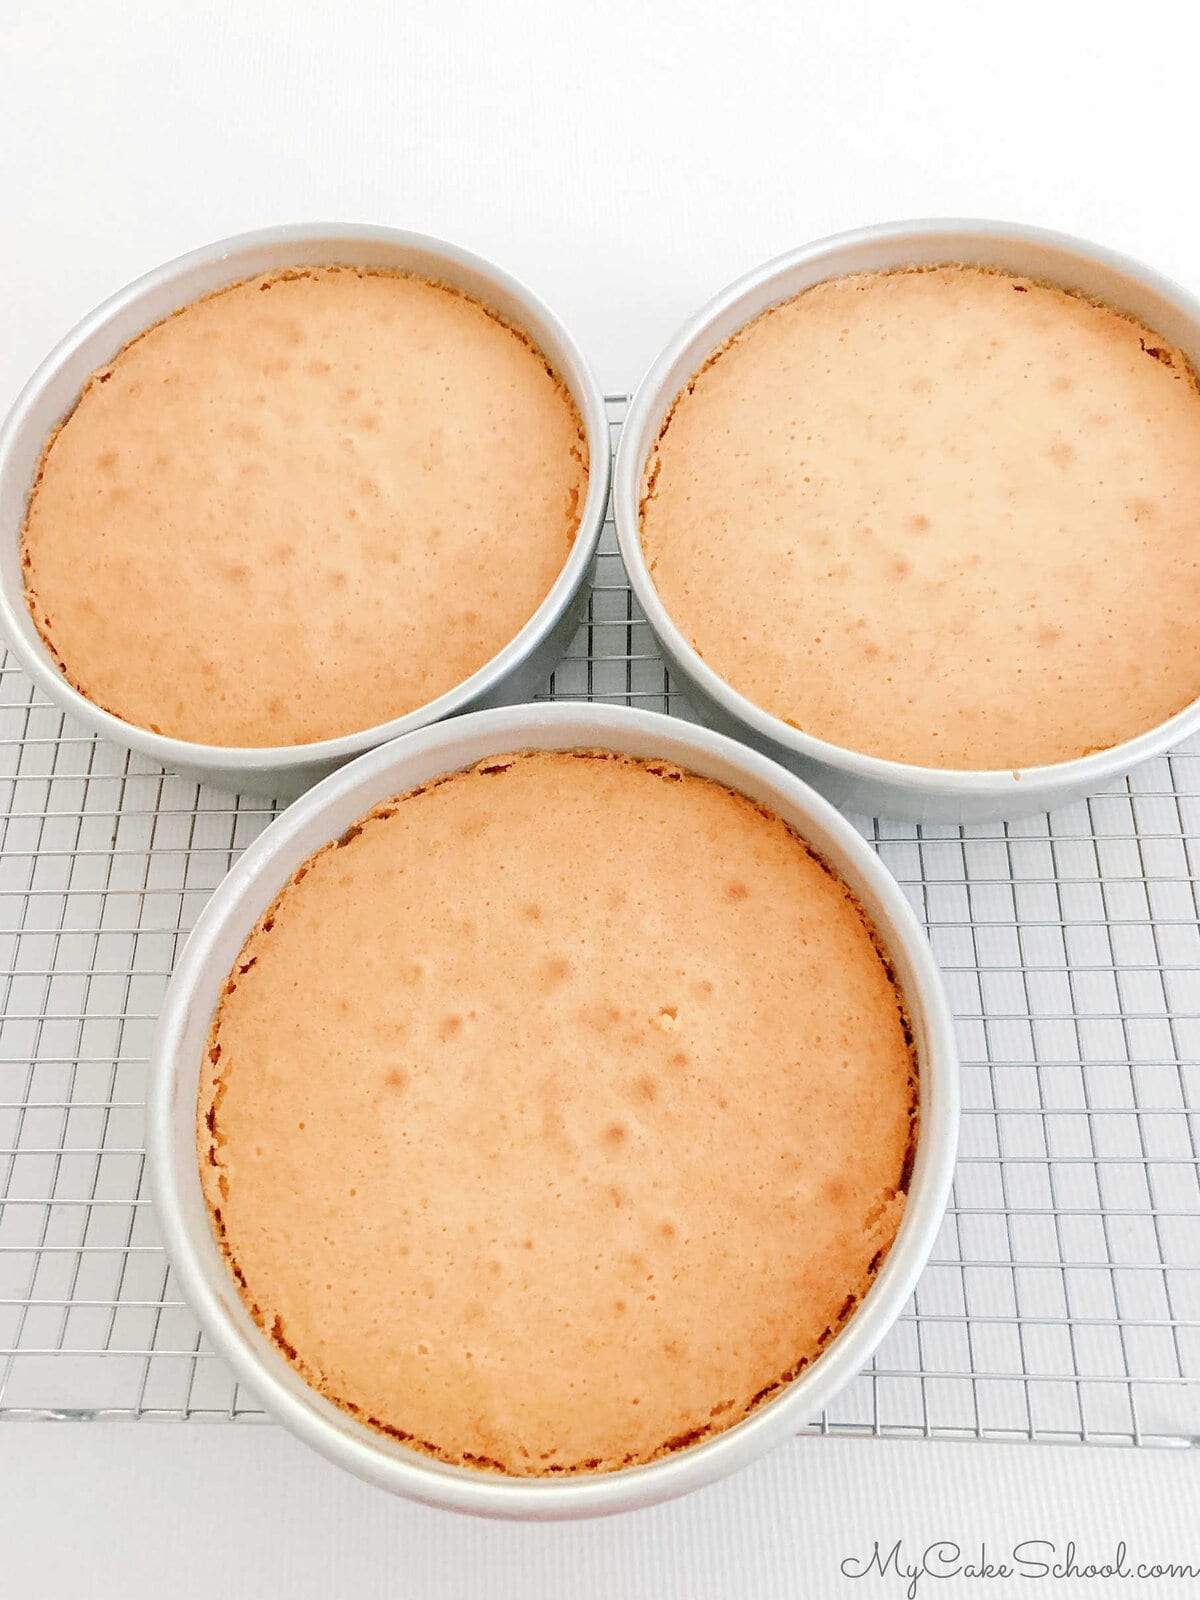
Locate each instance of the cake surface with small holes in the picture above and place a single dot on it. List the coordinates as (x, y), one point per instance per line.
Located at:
(559, 1113)
(946, 516)
(301, 507)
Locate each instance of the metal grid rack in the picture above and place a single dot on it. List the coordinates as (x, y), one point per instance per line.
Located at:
(1063, 1297)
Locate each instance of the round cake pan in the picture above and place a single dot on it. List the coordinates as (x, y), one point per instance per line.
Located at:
(285, 771)
(869, 784)
(214, 945)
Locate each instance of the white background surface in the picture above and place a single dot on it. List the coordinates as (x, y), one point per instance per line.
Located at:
(627, 161)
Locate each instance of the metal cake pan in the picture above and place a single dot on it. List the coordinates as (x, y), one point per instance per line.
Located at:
(285, 771)
(203, 969)
(861, 783)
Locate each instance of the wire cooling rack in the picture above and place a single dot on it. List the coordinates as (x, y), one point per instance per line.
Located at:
(1062, 1300)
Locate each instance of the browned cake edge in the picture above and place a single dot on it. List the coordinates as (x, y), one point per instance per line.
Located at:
(215, 1183)
(37, 611)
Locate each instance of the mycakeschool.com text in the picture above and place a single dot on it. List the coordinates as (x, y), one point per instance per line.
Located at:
(918, 1570)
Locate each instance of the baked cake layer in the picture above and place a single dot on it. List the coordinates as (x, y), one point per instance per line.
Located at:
(558, 1113)
(947, 517)
(301, 507)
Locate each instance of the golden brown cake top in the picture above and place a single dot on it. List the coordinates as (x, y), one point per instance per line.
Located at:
(558, 1113)
(301, 507)
(947, 517)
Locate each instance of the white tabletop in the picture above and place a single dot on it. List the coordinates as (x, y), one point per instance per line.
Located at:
(626, 161)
